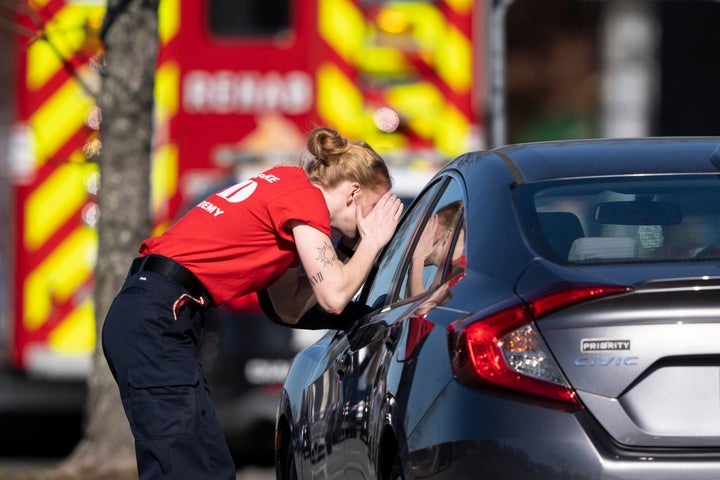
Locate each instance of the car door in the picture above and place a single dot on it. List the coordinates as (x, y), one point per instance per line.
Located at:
(360, 344)
(326, 432)
(322, 404)
(373, 341)
(412, 397)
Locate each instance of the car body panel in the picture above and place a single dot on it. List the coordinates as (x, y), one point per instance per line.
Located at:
(612, 157)
(642, 362)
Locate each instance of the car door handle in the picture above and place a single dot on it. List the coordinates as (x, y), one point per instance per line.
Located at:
(342, 363)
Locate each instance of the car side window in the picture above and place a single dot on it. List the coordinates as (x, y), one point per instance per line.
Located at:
(390, 261)
(438, 249)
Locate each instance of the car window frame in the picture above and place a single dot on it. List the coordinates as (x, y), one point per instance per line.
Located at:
(441, 184)
(434, 188)
(441, 274)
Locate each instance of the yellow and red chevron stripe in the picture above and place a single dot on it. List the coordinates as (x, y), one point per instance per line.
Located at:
(56, 254)
(55, 332)
(428, 42)
(56, 250)
(165, 161)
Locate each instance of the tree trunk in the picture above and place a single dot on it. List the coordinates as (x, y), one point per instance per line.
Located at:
(130, 34)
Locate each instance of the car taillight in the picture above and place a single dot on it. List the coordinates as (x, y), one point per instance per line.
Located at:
(503, 350)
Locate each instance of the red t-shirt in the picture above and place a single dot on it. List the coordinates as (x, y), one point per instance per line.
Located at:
(236, 241)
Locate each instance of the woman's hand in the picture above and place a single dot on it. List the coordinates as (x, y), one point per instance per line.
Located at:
(426, 242)
(421, 256)
(379, 225)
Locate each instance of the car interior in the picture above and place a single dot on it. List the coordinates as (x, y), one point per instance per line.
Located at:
(626, 221)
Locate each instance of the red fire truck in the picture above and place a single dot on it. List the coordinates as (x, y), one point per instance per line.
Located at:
(239, 85)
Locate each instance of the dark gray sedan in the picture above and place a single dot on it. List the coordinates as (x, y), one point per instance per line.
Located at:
(544, 311)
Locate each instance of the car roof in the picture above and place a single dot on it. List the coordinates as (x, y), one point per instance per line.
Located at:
(530, 162)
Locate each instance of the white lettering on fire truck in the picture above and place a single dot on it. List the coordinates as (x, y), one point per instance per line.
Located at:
(247, 92)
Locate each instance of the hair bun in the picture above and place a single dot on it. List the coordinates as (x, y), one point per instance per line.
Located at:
(336, 159)
(326, 145)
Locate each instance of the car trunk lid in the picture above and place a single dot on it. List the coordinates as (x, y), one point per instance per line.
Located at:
(646, 364)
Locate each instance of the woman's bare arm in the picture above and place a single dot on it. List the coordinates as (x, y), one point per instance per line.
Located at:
(291, 295)
(334, 283)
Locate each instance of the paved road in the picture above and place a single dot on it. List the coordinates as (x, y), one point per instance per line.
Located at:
(9, 466)
(30, 442)
(256, 473)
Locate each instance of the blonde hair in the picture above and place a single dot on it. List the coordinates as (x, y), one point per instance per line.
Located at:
(336, 159)
(449, 214)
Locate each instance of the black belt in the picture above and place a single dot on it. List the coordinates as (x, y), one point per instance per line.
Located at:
(174, 271)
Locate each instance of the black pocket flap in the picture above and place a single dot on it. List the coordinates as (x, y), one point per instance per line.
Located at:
(165, 375)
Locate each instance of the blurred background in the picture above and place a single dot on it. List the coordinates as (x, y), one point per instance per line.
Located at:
(238, 87)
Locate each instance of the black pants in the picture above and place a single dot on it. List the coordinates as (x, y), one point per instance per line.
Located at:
(162, 386)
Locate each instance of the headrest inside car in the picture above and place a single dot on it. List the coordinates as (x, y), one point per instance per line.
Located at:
(592, 249)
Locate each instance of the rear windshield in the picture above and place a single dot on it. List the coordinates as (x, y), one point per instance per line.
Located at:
(617, 220)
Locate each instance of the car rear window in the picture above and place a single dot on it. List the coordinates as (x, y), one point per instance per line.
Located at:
(641, 218)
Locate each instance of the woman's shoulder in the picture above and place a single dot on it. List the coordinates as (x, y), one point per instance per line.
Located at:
(288, 170)
(291, 184)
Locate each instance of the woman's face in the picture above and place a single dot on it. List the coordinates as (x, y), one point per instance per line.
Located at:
(345, 221)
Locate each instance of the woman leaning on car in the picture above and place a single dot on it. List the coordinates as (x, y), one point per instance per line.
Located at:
(240, 240)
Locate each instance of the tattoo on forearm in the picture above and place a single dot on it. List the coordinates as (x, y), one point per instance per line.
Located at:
(326, 255)
(317, 278)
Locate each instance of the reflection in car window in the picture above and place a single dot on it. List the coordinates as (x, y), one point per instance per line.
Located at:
(439, 246)
(389, 263)
(618, 220)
